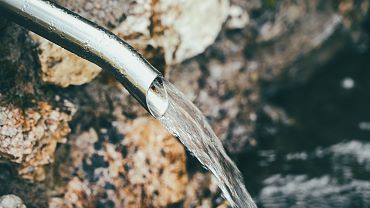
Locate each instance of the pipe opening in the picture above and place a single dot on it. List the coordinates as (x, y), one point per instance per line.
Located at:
(157, 98)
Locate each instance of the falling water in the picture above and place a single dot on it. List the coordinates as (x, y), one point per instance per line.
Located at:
(184, 120)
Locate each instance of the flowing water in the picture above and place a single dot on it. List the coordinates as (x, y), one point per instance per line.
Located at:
(184, 120)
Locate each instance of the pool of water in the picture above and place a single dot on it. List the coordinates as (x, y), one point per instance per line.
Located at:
(319, 155)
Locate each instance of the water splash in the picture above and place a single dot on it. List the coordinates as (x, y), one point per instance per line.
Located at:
(184, 120)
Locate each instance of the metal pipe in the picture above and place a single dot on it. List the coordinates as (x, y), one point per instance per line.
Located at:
(87, 40)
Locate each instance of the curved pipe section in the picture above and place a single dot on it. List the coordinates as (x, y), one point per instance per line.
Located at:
(87, 40)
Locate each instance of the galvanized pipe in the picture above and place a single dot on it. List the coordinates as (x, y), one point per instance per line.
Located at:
(87, 40)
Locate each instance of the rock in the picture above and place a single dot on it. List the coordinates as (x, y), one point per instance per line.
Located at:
(182, 28)
(105, 12)
(32, 123)
(196, 27)
(62, 67)
(140, 165)
(238, 18)
(156, 160)
(29, 137)
(11, 201)
(18, 74)
(202, 191)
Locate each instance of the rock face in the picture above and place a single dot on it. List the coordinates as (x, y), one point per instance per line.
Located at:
(92, 145)
(140, 165)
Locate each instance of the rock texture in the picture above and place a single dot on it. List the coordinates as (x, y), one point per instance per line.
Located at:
(140, 165)
(11, 201)
(61, 67)
(30, 137)
(171, 25)
(31, 121)
(93, 144)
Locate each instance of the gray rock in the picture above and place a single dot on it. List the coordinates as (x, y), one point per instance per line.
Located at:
(11, 201)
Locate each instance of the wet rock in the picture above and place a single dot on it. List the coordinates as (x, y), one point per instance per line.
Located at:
(11, 201)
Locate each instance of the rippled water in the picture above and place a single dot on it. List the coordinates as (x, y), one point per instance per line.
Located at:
(185, 121)
(317, 154)
(343, 183)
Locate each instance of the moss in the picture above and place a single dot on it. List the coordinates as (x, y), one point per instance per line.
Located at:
(269, 4)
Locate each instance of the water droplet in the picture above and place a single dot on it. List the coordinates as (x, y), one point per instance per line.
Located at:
(52, 27)
(25, 5)
(86, 46)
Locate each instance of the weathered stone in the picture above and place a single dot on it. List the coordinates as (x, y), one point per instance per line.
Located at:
(29, 137)
(62, 67)
(182, 28)
(11, 201)
(31, 123)
(238, 18)
(202, 191)
(145, 168)
(18, 74)
(109, 13)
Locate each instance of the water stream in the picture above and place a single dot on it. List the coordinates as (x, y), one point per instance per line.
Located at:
(184, 120)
